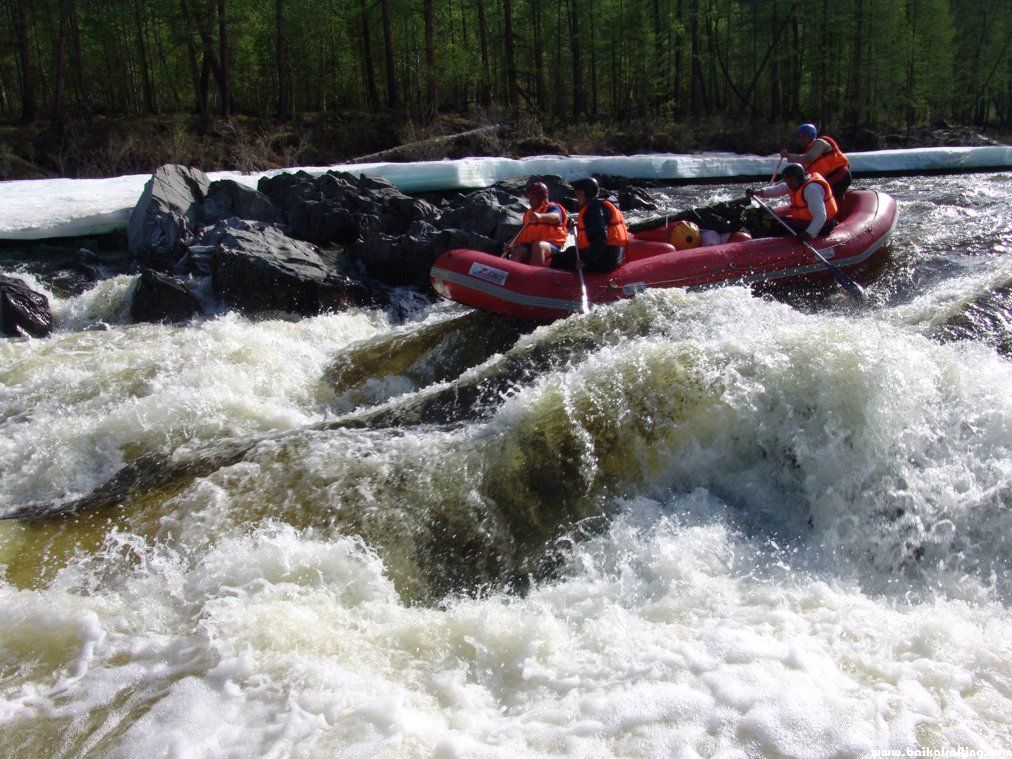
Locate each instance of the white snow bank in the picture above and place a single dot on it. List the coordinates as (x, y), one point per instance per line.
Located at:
(41, 208)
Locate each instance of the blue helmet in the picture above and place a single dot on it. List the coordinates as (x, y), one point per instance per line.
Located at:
(808, 129)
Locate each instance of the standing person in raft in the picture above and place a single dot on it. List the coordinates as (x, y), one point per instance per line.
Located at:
(601, 233)
(813, 207)
(544, 230)
(821, 155)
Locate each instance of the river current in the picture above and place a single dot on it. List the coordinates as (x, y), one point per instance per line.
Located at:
(713, 523)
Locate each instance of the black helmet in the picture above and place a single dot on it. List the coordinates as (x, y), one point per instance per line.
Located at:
(794, 170)
(587, 186)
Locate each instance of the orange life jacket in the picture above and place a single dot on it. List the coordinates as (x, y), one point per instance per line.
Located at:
(828, 162)
(537, 231)
(618, 233)
(799, 208)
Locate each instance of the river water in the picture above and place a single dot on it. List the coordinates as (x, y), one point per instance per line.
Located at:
(689, 524)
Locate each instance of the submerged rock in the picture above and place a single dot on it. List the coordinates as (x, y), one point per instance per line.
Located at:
(22, 310)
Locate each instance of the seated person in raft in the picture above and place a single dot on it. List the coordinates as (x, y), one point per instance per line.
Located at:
(601, 233)
(821, 155)
(544, 230)
(813, 208)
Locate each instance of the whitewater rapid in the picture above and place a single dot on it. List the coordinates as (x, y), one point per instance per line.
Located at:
(687, 524)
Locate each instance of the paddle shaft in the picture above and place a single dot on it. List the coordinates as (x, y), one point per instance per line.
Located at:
(773, 178)
(509, 246)
(852, 287)
(584, 300)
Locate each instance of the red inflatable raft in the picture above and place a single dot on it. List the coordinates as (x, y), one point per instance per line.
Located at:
(514, 289)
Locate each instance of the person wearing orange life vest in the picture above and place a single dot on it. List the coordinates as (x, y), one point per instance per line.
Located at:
(821, 155)
(601, 233)
(544, 231)
(813, 208)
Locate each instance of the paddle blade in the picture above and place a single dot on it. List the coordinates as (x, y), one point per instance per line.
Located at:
(853, 288)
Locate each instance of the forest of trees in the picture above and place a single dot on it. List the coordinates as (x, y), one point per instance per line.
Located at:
(879, 62)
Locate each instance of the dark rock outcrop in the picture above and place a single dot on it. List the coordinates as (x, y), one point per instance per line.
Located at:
(486, 212)
(341, 208)
(227, 198)
(166, 215)
(261, 251)
(159, 297)
(406, 259)
(22, 310)
(255, 267)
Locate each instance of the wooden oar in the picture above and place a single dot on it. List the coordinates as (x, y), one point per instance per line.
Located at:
(509, 246)
(852, 287)
(774, 176)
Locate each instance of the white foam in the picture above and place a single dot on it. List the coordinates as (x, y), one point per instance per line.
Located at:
(665, 635)
(153, 387)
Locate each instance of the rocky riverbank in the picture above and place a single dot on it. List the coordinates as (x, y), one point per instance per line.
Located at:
(297, 244)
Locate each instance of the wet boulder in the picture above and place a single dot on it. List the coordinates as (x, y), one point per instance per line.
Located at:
(226, 198)
(22, 310)
(160, 297)
(166, 216)
(255, 267)
(634, 199)
(407, 259)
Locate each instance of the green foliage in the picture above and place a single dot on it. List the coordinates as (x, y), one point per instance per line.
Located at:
(889, 63)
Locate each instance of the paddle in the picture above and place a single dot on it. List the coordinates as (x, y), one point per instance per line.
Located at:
(774, 176)
(509, 246)
(584, 300)
(853, 288)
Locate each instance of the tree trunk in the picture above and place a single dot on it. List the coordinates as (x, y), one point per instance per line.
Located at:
(60, 66)
(696, 76)
(372, 95)
(855, 106)
(539, 60)
(150, 103)
(227, 104)
(511, 59)
(679, 45)
(823, 84)
(579, 97)
(19, 22)
(284, 79)
(393, 98)
(430, 60)
(485, 93)
(660, 69)
(83, 96)
(593, 61)
(166, 73)
(557, 81)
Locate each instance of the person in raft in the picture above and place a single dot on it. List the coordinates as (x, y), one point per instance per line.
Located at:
(601, 233)
(544, 230)
(813, 208)
(821, 155)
